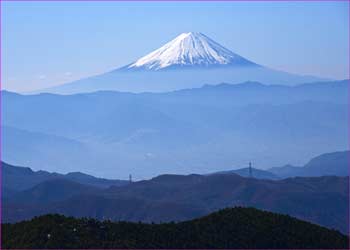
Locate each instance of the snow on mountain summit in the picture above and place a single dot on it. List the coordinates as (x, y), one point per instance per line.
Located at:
(189, 49)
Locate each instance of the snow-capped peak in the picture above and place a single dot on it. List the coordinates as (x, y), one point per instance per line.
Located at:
(189, 49)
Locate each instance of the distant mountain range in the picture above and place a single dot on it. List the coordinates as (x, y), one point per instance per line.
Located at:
(322, 200)
(22, 178)
(235, 228)
(190, 60)
(337, 163)
(330, 164)
(198, 130)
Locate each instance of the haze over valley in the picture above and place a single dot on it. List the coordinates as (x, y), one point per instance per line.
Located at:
(202, 130)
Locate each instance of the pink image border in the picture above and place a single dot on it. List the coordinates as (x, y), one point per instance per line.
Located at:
(182, 1)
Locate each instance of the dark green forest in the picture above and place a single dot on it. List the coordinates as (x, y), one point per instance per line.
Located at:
(229, 228)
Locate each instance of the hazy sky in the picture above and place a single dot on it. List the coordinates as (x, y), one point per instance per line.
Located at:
(49, 43)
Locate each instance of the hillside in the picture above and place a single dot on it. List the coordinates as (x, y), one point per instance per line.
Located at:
(321, 200)
(230, 228)
(52, 191)
(335, 163)
(17, 178)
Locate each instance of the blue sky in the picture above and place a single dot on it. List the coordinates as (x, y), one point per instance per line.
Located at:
(50, 43)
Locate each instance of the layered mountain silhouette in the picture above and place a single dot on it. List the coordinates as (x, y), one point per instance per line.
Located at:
(190, 60)
(322, 200)
(203, 130)
(329, 164)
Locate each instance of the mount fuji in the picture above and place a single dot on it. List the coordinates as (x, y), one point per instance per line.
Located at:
(189, 50)
(190, 60)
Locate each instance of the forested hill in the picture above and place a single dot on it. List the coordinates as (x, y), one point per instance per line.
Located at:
(228, 228)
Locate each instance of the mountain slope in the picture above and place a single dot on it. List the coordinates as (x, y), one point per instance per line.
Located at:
(188, 50)
(21, 178)
(325, 197)
(336, 163)
(322, 200)
(235, 228)
(51, 191)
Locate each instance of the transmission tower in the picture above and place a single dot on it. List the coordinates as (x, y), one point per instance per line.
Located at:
(250, 170)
